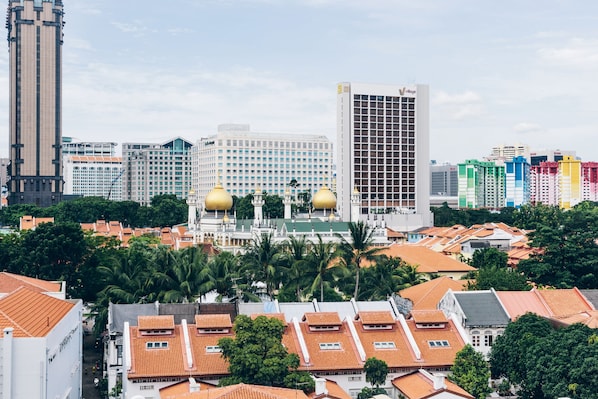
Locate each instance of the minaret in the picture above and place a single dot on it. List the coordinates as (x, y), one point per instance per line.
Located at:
(287, 202)
(355, 205)
(192, 215)
(258, 203)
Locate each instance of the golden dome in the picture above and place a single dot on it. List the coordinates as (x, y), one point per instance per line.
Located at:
(225, 219)
(218, 199)
(324, 199)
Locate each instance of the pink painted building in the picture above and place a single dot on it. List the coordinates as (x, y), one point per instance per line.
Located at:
(589, 174)
(544, 183)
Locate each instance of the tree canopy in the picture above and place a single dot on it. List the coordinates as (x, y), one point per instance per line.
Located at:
(256, 355)
(471, 372)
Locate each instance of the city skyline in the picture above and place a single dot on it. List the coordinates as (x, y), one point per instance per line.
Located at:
(498, 73)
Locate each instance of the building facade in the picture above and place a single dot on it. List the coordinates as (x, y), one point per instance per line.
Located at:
(589, 177)
(383, 153)
(93, 176)
(152, 169)
(481, 184)
(71, 146)
(570, 182)
(244, 160)
(517, 179)
(507, 152)
(544, 183)
(444, 180)
(535, 157)
(35, 46)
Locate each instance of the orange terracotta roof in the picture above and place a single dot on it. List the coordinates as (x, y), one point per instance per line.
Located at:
(213, 321)
(428, 316)
(420, 385)
(564, 302)
(164, 361)
(242, 391)
(205, 361)
(427, 295)
(375, 317)
(434, 355)
(175, 391)
(517, 303)
(165, 322)
(322, 319)
(589, 318)
(333, 391)
(21, 310)
(426, 260)
(10, 282)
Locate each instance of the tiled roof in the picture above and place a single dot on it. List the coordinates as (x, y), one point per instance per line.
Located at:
(589, 318)
(322, 319)
(481, 308)
(241, 391)
(373, 317)
(565, 302)
(427, 295)
(165, 322)
(31, 313)
(517, 303)
(420, 385)
(426, 260)
(333, 391)
(179, 389)
(10, 282)
(428, 316)
(434, 356)
(213, 321)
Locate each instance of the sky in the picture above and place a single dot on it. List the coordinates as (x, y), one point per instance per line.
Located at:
(499, 72)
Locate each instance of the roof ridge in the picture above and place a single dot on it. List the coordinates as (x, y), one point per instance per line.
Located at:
(28, 280)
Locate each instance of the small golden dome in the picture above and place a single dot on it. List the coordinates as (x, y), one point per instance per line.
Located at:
(225, 219)
(218, 199)
(324, 199)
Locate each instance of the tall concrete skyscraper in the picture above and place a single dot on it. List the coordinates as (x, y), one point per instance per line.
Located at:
(383, 153)
(35, 46)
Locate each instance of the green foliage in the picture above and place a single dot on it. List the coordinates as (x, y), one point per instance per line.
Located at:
(568, 248)
(376, 371)
(385, 277)
(262, 262)
(489, 257)
(368, 392)
(256, 355)
(501, 279)
(547, 363)
(471, 372)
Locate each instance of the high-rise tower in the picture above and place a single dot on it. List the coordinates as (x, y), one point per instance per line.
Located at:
(383, 152)
(35, 46)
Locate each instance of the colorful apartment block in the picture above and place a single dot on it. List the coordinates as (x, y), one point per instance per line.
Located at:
(544, 183)
(570, 182)
(517, 176)
(481, 184)
(589, 177)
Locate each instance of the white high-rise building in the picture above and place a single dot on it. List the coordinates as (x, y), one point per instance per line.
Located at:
(93, 176)
(274, 162)
(383, 152)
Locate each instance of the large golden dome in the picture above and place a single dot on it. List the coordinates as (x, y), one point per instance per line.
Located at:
(324, 199)
(218, 199)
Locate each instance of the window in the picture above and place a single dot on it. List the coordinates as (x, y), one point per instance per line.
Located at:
(384, 345)
(488, 338)
(213, 349)
(475, 338)
(326, 346)
(156, 345)
(438, 344)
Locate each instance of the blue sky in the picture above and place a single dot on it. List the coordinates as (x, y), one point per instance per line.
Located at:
(500, 72)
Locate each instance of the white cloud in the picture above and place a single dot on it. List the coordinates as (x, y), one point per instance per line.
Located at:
(580, 53)
(458, 106)
(134, 27)
(526, 127)
(468, 97)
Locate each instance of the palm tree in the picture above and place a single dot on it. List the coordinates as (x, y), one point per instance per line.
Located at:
(324, 263)
(186, 274)
(296, 265)
(223, 272)
(358, 249)
(386, 277)
(261, 262)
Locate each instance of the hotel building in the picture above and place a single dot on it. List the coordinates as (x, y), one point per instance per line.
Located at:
(93, 176)
(35, 64)
(481, 184)
(152, 169)
(245, 160)
(383, 153)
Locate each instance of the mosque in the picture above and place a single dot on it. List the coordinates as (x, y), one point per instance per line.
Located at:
(214, 222)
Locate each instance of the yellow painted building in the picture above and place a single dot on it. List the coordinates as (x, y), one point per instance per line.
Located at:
(570, 182)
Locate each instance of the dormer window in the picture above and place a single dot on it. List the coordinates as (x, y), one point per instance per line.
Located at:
(213, 349)
(323, 321)
(329, 346)
(439, 344)
(377, 327)
(430, 325)
(156, 325)
(213, 330)
(385, 345)
(156, 345)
